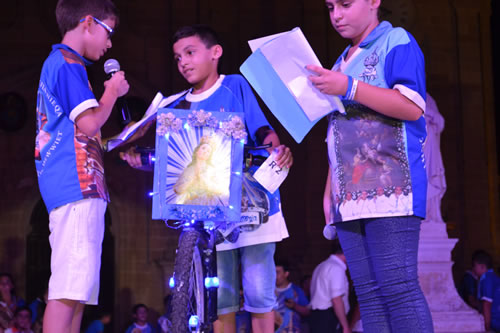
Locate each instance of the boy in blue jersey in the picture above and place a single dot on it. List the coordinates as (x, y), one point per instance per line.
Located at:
(291, 302)
(68, 157)
(376, 154)
(488, 292)
(140, 324)
(197, 53)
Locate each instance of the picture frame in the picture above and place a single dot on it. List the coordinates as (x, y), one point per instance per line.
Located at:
(198, 165)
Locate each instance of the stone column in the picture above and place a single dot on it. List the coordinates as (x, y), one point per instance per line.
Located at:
(449, 312)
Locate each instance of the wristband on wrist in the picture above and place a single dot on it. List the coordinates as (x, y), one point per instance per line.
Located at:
(353, 90)
(349, 87)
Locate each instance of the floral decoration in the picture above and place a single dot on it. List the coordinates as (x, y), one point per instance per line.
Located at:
(235, 127)
(168, 122)
(202, 118)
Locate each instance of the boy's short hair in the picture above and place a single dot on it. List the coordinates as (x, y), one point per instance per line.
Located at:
(103, 312)
(138, 306)
(23, 308)
(284, 264)
(482, 257)
(70, 12)
(206, 34)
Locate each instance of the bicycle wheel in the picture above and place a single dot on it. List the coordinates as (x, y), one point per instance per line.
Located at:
(188, 293)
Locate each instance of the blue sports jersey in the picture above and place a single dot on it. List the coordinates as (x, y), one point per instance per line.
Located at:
(489, 291)
(95, 327)
(69, 164)
(377, 162)
(291, 320)
(231, 93)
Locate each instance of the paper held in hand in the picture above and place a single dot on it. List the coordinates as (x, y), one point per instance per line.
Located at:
(158, 102)
(270, 175)
(276, 70)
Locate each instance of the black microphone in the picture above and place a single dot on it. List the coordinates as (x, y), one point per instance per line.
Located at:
(111, 66)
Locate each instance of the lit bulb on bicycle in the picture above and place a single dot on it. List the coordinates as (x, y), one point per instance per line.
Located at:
(171, 282)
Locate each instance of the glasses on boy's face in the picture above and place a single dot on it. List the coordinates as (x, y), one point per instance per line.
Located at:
(102, 24)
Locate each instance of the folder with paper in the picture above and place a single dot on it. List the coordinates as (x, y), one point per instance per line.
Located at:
(276, 70)
(158, 102)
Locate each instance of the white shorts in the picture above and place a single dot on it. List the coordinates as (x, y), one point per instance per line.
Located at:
(76, 234)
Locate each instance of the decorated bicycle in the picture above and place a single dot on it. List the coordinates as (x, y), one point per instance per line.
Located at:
(198, 180)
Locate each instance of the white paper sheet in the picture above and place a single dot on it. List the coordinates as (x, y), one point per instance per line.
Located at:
(258, 42)
(270, 175)
(289, 53)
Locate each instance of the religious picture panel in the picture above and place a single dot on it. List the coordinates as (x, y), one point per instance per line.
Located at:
(199, 157)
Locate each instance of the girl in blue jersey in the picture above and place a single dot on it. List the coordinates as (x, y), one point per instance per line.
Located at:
(376, 164)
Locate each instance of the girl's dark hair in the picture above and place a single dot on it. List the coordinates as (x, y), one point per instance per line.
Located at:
(70, 12)
(207, 35)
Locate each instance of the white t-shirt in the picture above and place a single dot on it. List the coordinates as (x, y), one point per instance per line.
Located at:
(329, 280)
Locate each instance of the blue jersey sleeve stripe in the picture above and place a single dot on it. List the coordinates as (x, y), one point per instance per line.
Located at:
(415, 137)
(82, 107)
(404, 64)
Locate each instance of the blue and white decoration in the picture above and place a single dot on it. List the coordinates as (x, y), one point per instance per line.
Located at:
(199, 158)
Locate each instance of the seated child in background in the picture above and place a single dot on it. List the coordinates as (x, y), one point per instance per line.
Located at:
(97, 326)
(140, 325)
(468, 289)
(22, 321)
(291, 304)
(488, 289)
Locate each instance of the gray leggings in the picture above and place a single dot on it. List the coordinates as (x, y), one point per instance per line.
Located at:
(381, 256)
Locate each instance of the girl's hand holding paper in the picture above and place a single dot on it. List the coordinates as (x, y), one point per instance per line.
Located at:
(327, 81)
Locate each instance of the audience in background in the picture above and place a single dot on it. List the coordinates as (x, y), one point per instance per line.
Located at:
(140, 325)
(9, 302)
(330, 294)
(467, 289)
(21, 322)
(97, 326)
(37, 308)
(291, 302)
(480, 288)
(305, 284)
(488, 289)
